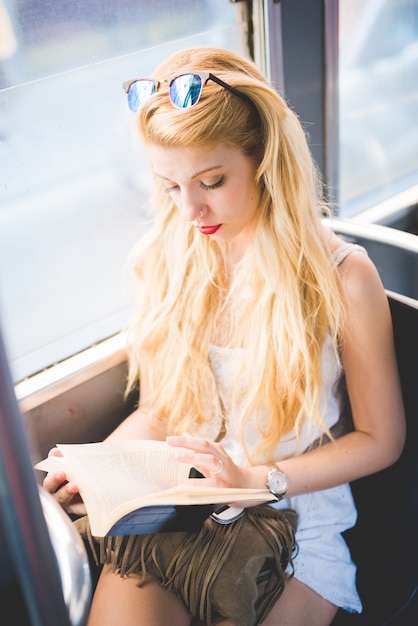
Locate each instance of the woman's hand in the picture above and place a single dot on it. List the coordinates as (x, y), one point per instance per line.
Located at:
(65, 493)
(212, 461)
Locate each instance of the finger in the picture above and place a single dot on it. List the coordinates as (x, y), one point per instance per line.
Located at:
(210, 464)
(68, 497)
(53, 481)
(219, 469)
(197, 459)
(206, 456)
(207, 464)
(57, 484)
(191, 443)
(54, 452)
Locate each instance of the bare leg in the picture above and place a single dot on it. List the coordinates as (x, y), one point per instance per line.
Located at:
(298, 606)
(119, 601)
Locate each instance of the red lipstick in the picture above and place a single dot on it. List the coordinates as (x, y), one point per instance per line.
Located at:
(209, 230)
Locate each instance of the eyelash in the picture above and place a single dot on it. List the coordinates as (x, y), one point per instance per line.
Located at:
(216, 185)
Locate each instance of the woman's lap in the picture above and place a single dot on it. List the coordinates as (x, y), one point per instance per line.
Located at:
(300, 605)
(153, 605)
(119, 601)
(123, 603)
(324, 574)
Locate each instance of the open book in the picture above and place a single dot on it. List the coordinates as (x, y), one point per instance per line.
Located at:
(138, 487)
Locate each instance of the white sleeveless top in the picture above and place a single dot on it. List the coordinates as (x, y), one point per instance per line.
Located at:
(323, 561)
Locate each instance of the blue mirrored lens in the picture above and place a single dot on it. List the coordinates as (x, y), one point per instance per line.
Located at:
(185, 90)
(138, 92)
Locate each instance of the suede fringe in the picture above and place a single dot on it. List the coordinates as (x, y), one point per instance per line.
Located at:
(235, 570)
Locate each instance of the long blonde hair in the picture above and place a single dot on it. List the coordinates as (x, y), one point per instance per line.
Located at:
(293, 299)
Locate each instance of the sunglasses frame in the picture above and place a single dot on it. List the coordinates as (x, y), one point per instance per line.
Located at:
(204, 77)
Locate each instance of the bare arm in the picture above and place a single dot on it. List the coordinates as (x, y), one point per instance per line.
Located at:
(140, 424)
(373, 385)
(143, 423)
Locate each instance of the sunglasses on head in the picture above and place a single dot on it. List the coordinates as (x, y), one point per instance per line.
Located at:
(184, 90)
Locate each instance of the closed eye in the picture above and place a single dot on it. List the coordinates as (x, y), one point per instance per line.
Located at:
(218, 183)
(170, 189)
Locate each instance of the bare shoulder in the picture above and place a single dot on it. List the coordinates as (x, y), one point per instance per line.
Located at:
(360, 281)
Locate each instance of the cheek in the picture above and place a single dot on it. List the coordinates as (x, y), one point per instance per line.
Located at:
(252, 199)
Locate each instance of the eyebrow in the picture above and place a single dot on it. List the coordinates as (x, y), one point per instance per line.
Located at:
(207, 169)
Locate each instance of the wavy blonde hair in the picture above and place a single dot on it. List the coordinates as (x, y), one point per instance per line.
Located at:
(293, 294)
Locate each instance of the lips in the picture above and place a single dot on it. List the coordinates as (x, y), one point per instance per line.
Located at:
(208, 230)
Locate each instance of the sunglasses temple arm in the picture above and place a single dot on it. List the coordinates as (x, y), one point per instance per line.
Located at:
(231, 89)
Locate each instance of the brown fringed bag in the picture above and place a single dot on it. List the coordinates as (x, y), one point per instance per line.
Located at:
(234, 571)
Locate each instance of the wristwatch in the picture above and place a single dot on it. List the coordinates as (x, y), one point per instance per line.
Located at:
(277, 481)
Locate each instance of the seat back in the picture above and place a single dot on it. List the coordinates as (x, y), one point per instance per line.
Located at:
(384, 543)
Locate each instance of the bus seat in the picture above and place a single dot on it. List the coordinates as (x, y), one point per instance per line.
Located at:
(384, 543)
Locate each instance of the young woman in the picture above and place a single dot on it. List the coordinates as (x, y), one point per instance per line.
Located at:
(253, 323)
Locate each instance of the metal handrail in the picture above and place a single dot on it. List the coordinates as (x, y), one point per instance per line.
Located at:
(376, 233)
(21, 513)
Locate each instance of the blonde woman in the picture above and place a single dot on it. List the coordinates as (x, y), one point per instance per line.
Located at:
(253, 322)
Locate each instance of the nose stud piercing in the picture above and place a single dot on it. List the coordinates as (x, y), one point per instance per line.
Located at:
(201, 213)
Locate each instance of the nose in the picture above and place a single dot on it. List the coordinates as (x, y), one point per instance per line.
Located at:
(192, 205)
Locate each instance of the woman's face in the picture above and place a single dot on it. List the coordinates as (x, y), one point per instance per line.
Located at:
(214, 188)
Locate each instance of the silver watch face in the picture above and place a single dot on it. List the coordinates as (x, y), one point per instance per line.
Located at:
(278, 483)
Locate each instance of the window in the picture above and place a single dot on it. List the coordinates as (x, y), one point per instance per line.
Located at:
(73, 182)
(378, 65)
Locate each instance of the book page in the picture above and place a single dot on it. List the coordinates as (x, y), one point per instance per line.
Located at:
(147, 465)
(110, 474)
